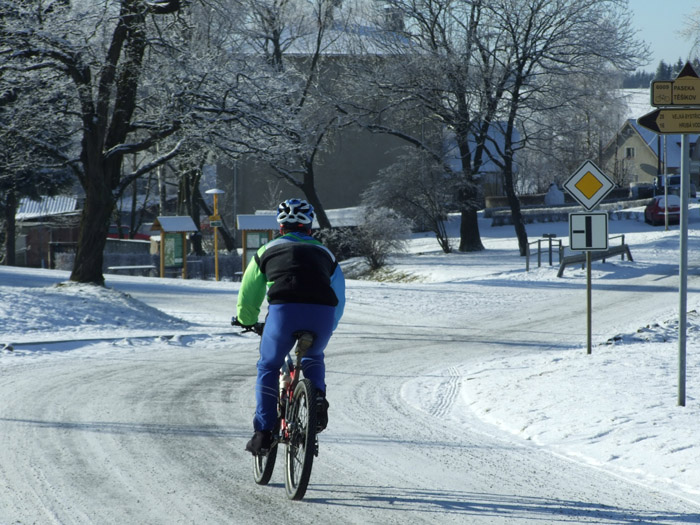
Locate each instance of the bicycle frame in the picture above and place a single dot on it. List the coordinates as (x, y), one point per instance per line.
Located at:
(286, 398)
(296, 421)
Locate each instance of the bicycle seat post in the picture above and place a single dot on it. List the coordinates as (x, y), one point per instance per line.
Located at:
(304, 342)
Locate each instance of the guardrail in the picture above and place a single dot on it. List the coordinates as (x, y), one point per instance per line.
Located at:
(550, 239)
(580, 258)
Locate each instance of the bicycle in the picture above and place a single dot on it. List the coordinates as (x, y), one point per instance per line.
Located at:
(296, 421)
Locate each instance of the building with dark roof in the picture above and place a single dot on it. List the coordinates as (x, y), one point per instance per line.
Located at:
(637, 155)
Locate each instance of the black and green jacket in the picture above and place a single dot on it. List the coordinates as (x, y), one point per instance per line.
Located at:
(294, 268)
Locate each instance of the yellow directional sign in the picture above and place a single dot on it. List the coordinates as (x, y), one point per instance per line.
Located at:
(589, 185)
(672, 121)
(683, 91)
(662, 93)
(686, 91)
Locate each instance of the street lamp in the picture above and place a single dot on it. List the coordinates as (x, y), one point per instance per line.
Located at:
(215, 221)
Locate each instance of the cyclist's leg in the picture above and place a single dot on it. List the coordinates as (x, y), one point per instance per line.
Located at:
(274, 346)
(319, 320)
(283, 320)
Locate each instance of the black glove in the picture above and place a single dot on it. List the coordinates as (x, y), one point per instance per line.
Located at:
(256, 327)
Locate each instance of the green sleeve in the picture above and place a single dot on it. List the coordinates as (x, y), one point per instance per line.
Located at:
(251, 294)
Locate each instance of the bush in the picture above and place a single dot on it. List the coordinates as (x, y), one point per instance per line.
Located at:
(382, 233)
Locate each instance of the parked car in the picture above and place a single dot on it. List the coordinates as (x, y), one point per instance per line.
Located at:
(656, 210)
(124, 232)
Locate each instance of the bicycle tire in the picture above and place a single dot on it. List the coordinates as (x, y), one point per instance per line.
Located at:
(301, 449)
(264, 465)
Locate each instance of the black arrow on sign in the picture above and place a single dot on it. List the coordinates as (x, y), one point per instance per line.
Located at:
(649, 121)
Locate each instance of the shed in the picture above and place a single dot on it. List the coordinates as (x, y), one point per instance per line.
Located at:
(173, 241)
(257, 230)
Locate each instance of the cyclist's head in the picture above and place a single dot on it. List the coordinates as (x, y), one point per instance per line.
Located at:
(295, 215)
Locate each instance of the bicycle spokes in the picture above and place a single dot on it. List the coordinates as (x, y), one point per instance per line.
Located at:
(301, 448)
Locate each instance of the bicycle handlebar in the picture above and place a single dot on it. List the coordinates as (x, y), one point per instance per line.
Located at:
(257, 327)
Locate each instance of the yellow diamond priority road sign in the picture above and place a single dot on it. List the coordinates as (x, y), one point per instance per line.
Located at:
(588, 185)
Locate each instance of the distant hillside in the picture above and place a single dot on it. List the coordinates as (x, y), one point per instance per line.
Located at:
(638, 102)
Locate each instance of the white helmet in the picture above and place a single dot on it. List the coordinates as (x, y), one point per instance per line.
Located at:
(295, 211)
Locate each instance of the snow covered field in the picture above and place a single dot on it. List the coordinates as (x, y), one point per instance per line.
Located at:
(475, 348)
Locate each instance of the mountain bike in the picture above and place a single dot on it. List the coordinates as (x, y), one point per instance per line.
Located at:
(296, 421)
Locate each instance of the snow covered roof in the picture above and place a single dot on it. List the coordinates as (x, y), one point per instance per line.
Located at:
(673, 143)
(175, 224)
(260, 221)
(267, 220)
(46, 207)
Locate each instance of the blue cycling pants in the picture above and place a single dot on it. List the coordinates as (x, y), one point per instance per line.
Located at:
(277, 341)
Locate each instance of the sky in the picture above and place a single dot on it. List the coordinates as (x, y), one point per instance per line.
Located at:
(660, 23)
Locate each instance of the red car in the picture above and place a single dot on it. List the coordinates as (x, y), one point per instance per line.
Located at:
(656, 210)
(124, 233)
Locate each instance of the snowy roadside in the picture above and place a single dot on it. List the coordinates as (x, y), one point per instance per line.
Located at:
(614, 410)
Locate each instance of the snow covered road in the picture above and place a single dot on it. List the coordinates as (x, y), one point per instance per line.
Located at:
(151, 430)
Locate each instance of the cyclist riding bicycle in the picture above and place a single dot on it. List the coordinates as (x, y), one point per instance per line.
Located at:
(305, 291)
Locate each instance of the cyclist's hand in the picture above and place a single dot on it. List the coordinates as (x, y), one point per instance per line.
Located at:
(257, 327)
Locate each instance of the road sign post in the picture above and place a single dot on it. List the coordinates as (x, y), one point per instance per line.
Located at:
(216, 223)
(674, 118)
(588, 231)
(683, 268)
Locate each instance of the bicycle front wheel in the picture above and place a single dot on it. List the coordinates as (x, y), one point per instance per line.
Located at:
(263, 465)
(301, 448)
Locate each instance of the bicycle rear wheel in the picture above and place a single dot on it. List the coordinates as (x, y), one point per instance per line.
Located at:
(301, 449)
(264, 465)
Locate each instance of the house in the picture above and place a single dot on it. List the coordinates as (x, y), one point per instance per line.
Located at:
(490, 172)
(45, 228)
(350, 158)
(636, 155)
(342, 173)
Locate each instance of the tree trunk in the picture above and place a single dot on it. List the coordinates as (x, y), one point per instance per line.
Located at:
(515, 211)
(94, 226)
(508, 158)
(470, 238)
(10, 240)
(323, 222)
(309, 189)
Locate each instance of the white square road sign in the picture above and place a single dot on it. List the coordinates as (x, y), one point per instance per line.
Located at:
(588, 231)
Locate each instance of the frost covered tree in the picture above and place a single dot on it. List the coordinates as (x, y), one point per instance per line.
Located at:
(473, 66)
(100, 48)
(381, 233)
(32, 165)
(539, 49)
(293, 46)
(417, 188)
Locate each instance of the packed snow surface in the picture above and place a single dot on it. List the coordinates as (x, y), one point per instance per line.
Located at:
(484, 348)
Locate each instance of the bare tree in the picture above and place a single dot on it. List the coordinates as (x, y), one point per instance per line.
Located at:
(29, 166)
(68, 40)
(381, 233)
(483, 68)
(417, 188)
(428, 75)
(296, 85)
(543, 42)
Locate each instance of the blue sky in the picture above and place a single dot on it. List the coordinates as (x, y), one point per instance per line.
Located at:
(659, 23)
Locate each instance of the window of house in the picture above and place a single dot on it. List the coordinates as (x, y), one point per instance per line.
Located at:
(629, 153)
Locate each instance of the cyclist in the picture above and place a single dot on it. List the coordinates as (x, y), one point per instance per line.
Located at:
(305, 291)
